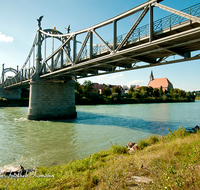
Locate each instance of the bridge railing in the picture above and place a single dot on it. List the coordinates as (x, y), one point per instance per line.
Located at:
(24, 74)
(27, 70)
(159, 26)
(173, 20)
(168, 22)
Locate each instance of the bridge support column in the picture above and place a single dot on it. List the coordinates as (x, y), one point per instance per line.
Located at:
(51, 101)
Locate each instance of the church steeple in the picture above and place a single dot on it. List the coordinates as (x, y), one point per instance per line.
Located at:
(151, 76)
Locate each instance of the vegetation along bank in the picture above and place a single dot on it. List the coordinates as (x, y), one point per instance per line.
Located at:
(159, 162)
(85, 94)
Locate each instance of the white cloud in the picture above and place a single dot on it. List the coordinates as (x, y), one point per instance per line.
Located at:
(115, 76)
(102, 77)
(4, 38)
(136, 82)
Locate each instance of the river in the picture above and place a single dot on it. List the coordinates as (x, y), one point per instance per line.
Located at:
(45, 143)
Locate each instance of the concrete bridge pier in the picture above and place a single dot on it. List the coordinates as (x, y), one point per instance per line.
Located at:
(10, 93)
(51, 100)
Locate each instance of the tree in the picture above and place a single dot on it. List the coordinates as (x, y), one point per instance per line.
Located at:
(115, 96)
(172, 92)
(116, 89)
(176, 90)
(150, 90)
(77, 96)
(106, 91)
(161, 91)
(144, 93)
(191, 96)
(144, 88)
(87, 88)
(181, 93)
(95, 97)
(156, 92)
(136, 94)
(131, 89)
(77, 87)
(176, 95)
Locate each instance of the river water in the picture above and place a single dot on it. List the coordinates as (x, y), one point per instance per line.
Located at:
(45, 143)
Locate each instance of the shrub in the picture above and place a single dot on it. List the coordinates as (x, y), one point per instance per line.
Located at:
(153, 139)
(115, 97)
(164, 97)
(150, 141)
(142, 144)
(95, 97)
(180, 132)
(119, 149)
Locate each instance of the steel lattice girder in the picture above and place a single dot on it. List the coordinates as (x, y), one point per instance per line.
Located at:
(146, 49)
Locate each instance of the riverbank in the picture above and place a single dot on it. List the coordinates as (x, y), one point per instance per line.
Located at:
(104, 101)
(161, 162)
(13, 102)
(125, 100)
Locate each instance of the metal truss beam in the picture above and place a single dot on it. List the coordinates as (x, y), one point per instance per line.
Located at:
(151, 35)
(162, 59)
(179, 13)
(66, 54)
(137, 22)
(102, 40)
(82, 47)
(118, 17)
(172, 52)
(140, 47)
(134, 67)
(163, 40)
(54, 53)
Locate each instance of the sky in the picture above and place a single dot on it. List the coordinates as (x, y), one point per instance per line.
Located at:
(18, 27)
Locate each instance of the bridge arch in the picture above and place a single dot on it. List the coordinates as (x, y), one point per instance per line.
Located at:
(47, 33)
(5, 70)
(56, 39)
(10, 70)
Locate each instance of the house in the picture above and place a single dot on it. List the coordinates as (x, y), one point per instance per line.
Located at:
(157, 83)
(97, 86)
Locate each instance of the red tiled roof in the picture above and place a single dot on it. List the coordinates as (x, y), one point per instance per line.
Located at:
(137, 87)
(157, 83)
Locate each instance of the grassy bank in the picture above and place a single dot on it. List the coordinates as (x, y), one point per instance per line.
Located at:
(197, 98)
(161, 162)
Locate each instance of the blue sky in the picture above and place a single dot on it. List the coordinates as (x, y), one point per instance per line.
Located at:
(18, 28)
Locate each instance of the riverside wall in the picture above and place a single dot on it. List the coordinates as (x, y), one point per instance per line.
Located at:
(10, 93)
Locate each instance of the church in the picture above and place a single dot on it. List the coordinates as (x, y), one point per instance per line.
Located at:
(157, 83)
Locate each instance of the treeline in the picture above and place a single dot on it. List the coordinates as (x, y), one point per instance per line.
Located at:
(86, 94)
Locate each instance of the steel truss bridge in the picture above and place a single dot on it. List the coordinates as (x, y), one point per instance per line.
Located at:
(146, 46)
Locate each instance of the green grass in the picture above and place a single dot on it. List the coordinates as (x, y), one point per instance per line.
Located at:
(171, 161)
(197, 98)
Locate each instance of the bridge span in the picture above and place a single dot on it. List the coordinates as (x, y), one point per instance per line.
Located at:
(51, 76)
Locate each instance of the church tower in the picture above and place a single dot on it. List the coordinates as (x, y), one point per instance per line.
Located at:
(151, 76)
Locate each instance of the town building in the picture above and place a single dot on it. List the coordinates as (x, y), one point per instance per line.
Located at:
(158, 82)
